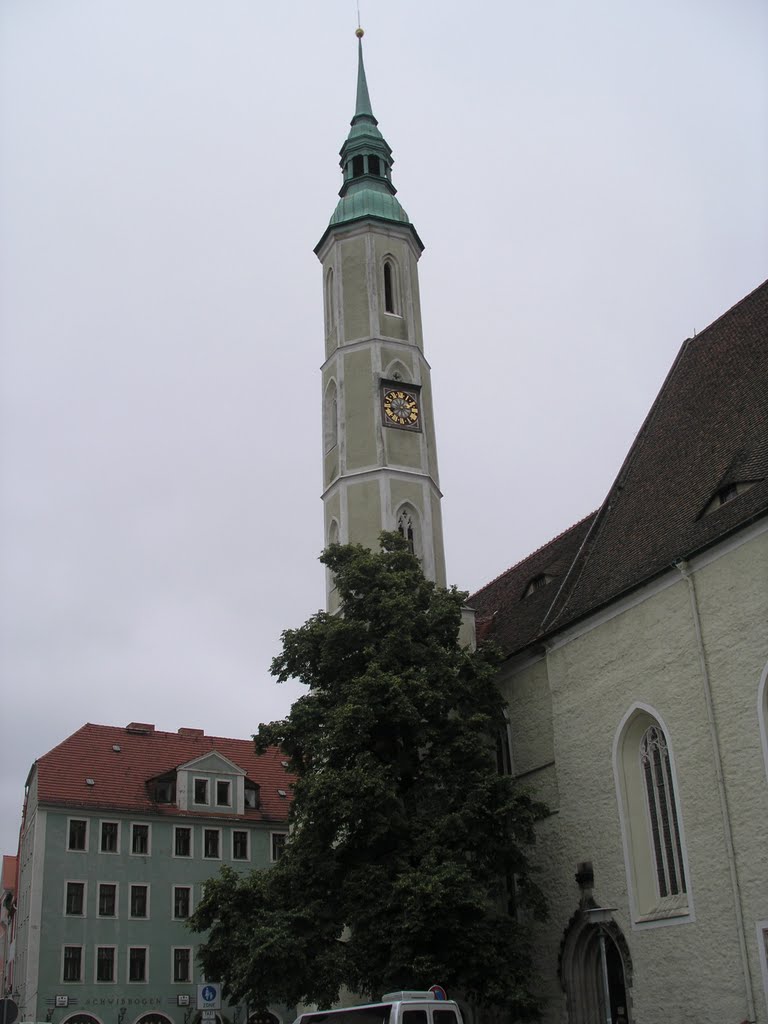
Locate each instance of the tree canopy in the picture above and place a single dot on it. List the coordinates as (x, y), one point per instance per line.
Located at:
(404, 836)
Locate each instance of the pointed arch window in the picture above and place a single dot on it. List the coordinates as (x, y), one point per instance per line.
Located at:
(662, 812)
(407, 527)
(330, 304)
(651, 819)
(391, 287)
(330, 417)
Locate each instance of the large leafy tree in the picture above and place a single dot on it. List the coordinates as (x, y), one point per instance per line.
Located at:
(404, 836)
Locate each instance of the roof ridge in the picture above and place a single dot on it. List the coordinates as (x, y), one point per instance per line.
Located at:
(536, 551)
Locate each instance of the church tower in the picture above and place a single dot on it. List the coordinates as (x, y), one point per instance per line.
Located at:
(379, 451)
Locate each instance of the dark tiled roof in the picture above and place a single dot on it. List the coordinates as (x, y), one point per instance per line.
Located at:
(504, 615)
(708, 428)
(120, 776)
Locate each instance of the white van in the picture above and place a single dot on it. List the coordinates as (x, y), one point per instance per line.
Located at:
(394, 1008)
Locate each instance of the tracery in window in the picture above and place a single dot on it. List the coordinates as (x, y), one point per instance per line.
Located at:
(651, 818)
(660, 796)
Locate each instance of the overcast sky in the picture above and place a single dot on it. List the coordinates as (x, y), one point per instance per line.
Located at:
(589, 180)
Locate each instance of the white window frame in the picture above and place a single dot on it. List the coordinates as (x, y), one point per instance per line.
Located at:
(148, 887)
(204, 854)
(637, 842)
(110, 821)
(191, 978)
(76, 817)
(395, 286)
(184, 856)
(247, 858)
(76, 881)
(115, 965)
(182, 885)
(230, 792)
(207, 781)
(135, 945)
(107, 917)
(272, 858)
(64, 948)
(148, 826)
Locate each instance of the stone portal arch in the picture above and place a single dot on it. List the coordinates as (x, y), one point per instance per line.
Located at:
(582, 970)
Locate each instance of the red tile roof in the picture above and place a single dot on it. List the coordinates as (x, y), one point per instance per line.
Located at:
(120, 775)
(708, 428)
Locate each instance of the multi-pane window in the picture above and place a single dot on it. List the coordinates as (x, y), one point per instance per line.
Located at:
(78, 834)
(140, 839)
(182, 901)
(110, 833)
(137, 963)
(75, 900)
(107, 899)
(211, 844)
(278, 844)
(182, 964)
(201, 791)
(223, 789)
(239, 845)
(139, 900)
(73, 963)
(662, 812)
(182, 842)
(105, 963)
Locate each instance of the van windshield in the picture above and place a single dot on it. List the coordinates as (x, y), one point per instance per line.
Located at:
(354, 1015)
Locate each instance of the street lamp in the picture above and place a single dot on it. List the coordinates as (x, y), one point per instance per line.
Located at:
(601, 916)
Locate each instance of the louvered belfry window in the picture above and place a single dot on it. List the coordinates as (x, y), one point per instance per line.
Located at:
(662, 812)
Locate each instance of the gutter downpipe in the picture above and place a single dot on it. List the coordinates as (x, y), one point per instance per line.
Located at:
(683, 568)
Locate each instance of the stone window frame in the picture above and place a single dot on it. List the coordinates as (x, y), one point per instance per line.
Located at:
(75, 881)
(647, 908)
(104, 981)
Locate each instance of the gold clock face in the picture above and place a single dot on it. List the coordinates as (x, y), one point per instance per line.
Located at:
(401, 409)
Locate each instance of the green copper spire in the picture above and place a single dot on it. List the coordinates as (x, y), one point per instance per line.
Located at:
(363, 105)
(366, 163)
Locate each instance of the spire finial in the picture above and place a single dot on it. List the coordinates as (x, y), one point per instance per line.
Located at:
(363, 104)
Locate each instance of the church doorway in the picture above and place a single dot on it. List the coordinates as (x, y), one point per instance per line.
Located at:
(596, 972)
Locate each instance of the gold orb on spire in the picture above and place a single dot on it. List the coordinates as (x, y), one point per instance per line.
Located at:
(359, 32)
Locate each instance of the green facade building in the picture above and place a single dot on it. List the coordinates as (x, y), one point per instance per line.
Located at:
(121, 829)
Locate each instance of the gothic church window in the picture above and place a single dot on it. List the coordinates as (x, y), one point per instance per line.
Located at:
(651, 818)
(660, 796)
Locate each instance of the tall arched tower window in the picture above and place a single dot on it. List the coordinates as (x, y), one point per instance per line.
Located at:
(330, 417)
(330, 303)
(651, 818)
(391, 287)
(408, 528)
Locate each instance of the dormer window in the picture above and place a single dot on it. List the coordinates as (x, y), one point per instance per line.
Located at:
(537, 583)
(251, 794)
(201, 791)
(223, 793)
(163, 790)
(728, 493)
